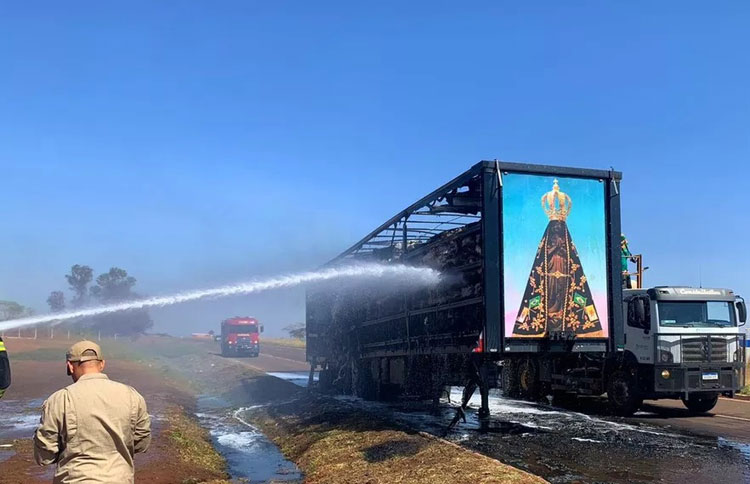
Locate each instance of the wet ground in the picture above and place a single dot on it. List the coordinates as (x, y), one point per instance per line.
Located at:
(20, 419)
(564, 446)
(561, 445)
(250, 456)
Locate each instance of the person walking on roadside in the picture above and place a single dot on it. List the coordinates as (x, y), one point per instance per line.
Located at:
(92, 428)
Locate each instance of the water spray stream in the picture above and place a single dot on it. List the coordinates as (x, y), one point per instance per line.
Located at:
(417, 275)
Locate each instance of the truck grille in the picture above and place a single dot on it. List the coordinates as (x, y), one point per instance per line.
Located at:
(703, 349)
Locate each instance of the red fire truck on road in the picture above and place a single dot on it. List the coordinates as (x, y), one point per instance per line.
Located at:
(240, 336)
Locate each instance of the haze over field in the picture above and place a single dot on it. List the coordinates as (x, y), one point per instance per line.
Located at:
(196, 145)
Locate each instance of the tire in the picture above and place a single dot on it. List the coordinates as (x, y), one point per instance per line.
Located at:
(528, 380)
(511, 388)
(364, 384)
(700, 403)
(623, 394)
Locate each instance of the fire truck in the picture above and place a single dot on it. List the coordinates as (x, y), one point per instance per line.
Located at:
(240, 336)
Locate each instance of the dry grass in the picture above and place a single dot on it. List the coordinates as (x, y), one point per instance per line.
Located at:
(294, 343)
(334, 445)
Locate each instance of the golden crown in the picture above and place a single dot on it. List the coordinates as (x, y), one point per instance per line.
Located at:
(556, 204)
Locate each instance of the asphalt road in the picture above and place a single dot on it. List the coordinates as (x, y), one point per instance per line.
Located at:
(275, 358)
(729, 419)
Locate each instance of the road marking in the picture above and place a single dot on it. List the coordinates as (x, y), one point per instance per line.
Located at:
(734, 400)
(282, 358)
(732, 417)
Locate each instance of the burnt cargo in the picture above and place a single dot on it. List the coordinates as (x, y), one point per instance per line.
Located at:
(530, 257)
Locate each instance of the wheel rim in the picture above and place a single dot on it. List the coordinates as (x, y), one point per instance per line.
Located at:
(621, 392)
(526, 379)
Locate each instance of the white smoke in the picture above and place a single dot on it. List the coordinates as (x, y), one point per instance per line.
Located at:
(417, 275)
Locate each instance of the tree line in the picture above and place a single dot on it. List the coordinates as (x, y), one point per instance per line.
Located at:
(108, 288)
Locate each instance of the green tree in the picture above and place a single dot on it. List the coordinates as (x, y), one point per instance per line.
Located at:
(56, 301)
(296, 330)
(13, 310)
(79, 279)
(115, 286)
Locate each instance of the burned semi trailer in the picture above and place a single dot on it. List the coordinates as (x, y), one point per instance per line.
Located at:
(531, 287)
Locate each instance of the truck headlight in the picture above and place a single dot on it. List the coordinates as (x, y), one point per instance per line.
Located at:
(665, 374)
(666, 356)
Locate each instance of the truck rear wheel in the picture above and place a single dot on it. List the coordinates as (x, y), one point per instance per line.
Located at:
(623, 394)
(528, 380)
(700, 403)
(511, 384)
(363, 382)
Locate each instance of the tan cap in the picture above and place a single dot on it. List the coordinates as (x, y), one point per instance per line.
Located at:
(76, 352)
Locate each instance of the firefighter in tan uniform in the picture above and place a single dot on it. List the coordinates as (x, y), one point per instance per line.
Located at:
(92, 428)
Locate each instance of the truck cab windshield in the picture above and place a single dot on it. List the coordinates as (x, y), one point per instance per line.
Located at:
(696, 314)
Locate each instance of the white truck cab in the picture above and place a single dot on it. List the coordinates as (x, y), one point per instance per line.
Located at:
(687, 343)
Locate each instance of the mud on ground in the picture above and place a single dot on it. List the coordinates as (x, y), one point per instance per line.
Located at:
(38, 371)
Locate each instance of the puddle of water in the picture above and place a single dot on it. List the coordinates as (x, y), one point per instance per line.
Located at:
(579, 439)
(6, 454)
(251, 457)
(744, 450)
(20, 418)
(297, 377)
(549, 417)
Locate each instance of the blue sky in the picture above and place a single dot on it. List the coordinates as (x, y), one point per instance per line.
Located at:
(525, 222)
(201, 142)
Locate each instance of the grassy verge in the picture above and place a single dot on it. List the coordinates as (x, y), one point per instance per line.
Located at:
(194, 448)
(333, 444)
(293, 343)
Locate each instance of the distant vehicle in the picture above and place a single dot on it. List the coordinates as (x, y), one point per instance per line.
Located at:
(240, 336)
(202, 336)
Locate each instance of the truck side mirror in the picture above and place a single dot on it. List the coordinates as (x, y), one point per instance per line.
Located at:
(639, 313)
(742, 310)
(261, 328)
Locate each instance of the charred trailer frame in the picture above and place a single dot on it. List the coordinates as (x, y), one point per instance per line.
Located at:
(382, 344)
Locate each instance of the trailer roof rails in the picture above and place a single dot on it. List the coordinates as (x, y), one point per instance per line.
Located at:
(448, 208)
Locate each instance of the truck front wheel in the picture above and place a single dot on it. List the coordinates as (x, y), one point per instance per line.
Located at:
(623, 394)
(700, 403)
